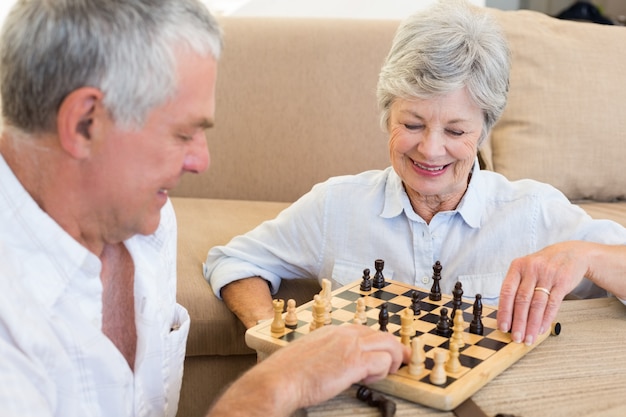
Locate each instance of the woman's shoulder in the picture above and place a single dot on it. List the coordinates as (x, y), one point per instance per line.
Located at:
(368, 179)
(500, 187)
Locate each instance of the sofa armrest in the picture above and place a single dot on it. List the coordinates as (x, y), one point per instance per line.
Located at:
(202, 224)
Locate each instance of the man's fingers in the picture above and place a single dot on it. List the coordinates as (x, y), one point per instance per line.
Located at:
(388, 343)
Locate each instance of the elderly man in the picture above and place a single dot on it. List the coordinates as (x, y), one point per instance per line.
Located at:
(105, 107)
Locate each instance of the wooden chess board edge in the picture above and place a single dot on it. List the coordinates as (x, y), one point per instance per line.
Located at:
(265, 342)
(449, 398)
(261, 343)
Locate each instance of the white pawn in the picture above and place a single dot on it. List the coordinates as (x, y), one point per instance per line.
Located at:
(453, 365)
(438, 373)
(360, 314)
(418, 356)
(291, 319)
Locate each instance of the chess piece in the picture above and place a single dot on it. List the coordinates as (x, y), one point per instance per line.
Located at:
(476, 326)
(453, 364)
(457, 299)
(418, 356)
(435, 291)
(319, 313)
(379, 278)
(386, 406)
(360, 314)
(278, 325)
(416, 304)
(438, 374)
(457, 330)
(366, 284)
(327, 296)
(291, 318)
(383, 317)
(406, 326)
(443, 325)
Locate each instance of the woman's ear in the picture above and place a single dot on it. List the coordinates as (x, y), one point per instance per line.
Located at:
(75, 120)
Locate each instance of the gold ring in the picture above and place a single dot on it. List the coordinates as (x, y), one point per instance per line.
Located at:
(545, 290)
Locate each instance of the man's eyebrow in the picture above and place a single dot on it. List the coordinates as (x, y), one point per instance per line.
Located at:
(205, 124)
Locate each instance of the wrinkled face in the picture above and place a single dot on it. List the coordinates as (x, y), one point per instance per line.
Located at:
(135, 169)
(433, 143)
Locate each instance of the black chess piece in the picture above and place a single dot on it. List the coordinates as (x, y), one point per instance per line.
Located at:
(386, 406)
(435, 291)
(383, 317)
(379, 278)
(457, 299)
(476, 326)
(416, 304)
(444, 327)
(366, 284)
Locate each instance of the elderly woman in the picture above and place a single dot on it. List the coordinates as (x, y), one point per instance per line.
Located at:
(441, 89)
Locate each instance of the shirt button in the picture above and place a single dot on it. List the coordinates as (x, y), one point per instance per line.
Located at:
(425, 279)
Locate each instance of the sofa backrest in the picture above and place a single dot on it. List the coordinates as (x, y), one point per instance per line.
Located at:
(565, 121)
(296, 104)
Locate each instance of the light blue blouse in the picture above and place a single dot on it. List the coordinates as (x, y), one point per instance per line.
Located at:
(342, 225)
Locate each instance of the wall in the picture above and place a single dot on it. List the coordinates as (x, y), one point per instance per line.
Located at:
(610, 8)
(352, 9)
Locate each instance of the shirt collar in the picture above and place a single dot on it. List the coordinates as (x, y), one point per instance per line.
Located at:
(470, 208)
(472, 205)
(394, 196)
(23, 224)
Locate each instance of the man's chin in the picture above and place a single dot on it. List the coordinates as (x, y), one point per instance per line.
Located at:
(150, 227)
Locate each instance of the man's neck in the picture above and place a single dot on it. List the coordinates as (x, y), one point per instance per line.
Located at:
(52, 181)
(118, 301)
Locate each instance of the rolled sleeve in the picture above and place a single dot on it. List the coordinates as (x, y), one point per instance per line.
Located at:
(220, 270)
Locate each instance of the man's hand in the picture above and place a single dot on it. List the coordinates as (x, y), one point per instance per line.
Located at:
(313, 369)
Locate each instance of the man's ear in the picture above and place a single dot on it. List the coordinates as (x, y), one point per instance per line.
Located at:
(75, 120)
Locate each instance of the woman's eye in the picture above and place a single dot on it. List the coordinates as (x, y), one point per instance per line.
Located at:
(455, 132)
(412, 127)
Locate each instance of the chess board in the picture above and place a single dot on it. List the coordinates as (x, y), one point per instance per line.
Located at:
(482, 358)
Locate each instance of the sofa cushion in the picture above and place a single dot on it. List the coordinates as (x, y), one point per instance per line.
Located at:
(564, 123)
(202, 224)
(612, 211)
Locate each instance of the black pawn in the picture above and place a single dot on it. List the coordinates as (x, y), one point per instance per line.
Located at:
(443, 325)
(383, 317)
(379, 279)
(415, 303)
(476, 326)
(457, 299)
(435, 291)
(366, 284)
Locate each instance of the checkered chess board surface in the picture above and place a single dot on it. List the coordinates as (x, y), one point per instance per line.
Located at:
(482, 358)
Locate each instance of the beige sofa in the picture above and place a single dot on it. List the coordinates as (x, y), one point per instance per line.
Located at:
(296, 104)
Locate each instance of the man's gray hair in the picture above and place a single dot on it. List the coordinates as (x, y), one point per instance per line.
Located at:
(125, 48)
(445, 48)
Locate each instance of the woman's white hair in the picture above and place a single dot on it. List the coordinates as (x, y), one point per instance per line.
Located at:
(447, 47)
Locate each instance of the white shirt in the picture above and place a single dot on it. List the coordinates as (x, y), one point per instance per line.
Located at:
(55, 359)
(342, 225)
